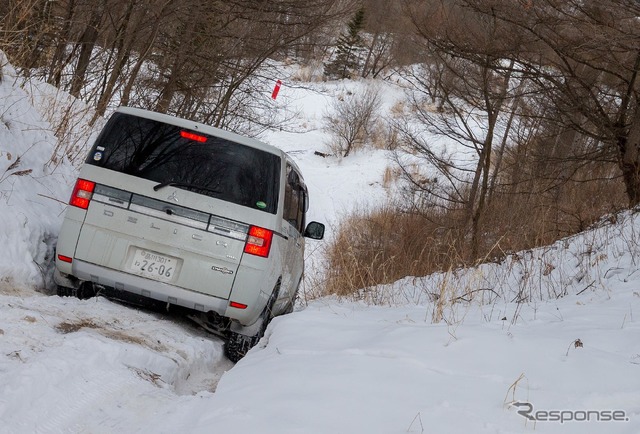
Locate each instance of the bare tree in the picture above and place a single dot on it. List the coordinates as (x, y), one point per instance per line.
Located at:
(385, 32)
(25, 31)
(57, 63)
(351, 120)
(205, 70)
(472, 85)
(126, 28)
(86, 44)
(584, 57)
(201, 56)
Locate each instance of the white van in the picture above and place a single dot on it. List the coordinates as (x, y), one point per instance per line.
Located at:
(187, 215)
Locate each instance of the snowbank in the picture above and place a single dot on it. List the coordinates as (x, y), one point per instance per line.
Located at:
(33, 190)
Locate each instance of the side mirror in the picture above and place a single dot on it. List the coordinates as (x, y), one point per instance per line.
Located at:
(314, 230)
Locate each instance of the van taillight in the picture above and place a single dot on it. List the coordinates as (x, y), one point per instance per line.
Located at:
(82, 193)
(259, 241)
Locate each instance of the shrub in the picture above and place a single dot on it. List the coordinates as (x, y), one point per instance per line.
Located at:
(381, 246)
(351, 121)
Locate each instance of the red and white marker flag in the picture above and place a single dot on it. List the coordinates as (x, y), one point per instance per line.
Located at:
(276, 89)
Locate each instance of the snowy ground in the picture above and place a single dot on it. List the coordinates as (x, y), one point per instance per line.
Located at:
(379, 365)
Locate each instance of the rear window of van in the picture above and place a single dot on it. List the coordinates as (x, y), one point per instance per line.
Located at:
(194, 161)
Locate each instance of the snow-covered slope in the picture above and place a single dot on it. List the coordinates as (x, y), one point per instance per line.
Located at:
(416, 356)
(33, 188)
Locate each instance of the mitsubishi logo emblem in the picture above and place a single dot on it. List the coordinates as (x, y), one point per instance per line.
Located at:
(173, 197)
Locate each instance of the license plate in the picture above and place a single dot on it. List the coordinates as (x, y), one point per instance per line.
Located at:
(153, 265)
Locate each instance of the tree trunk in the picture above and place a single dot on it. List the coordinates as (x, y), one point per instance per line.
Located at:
(484, 164)
(122, 55)
(493, 107)
(365, 67)
(142, 57)
(57, 63)
(500, 154)
(223, 106)
(629, 159)
(39, 40)
(629, 145)
(87, 42)
(169, 89)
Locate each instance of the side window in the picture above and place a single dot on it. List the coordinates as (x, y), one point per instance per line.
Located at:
(304, 206)
(295, 201)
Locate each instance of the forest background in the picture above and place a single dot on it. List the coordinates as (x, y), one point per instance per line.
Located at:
(541, 96)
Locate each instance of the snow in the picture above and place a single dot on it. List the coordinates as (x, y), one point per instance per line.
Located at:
(378, 364)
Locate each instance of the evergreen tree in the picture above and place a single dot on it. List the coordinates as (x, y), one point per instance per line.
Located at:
(348, 50)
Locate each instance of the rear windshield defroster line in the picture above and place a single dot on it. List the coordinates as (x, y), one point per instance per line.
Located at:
(164, 154)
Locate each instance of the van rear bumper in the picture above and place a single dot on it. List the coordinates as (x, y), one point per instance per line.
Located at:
(148, 288)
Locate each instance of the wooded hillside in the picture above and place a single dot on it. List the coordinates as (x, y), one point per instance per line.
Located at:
(544, 94)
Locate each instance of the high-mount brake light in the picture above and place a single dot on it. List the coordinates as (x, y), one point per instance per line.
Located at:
(82, 193)
(193, 136)
(259, 241)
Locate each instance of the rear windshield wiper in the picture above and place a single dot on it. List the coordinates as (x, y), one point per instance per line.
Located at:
(183, 184)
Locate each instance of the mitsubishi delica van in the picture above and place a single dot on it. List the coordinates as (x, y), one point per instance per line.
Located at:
(176, 212)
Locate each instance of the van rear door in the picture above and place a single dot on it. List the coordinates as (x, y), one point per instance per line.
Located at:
(161, 241)
(137, 221)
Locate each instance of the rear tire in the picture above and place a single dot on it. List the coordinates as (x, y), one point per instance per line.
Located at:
(292, 303)
(63, 291)
(238, 345)
(84, 291)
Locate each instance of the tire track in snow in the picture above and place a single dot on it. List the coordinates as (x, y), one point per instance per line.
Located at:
(128, 366)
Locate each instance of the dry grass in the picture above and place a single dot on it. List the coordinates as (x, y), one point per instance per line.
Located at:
(311, 72)
(67, 327)
(389, 177)
(381, 246)
(73, 326)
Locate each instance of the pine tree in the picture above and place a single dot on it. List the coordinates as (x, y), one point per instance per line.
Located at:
(348, 50)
